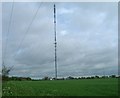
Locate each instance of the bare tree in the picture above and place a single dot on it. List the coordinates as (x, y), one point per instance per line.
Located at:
(5, 72)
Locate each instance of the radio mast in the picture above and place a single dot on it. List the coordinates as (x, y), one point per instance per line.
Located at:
(55, 41)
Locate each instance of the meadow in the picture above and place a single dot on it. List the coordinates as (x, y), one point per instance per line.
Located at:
(83, 87)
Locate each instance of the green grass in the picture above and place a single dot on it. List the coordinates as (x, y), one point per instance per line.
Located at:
(87, 87)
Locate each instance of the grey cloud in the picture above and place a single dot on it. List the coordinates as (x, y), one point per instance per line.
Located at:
(88, 48)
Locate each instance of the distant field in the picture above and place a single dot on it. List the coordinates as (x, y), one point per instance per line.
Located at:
(86, 87)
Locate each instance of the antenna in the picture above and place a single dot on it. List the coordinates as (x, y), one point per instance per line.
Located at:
(55, 42)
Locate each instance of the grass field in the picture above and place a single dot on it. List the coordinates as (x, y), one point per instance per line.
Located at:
(86, 87)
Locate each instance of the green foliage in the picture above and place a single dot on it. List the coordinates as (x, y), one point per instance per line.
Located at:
(85, 87)
(113, 76)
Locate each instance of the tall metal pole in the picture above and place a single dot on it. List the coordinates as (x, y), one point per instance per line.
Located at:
(55, 42)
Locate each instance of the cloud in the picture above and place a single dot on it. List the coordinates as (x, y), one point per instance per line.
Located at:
(86, 36)
(64, 32)
(65, 11)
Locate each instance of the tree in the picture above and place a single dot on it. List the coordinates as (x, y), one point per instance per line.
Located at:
(104, 77)
(97, 77)
(5, 72)
(92, 77)
(46, 78)
(70, 77)
(113, 76)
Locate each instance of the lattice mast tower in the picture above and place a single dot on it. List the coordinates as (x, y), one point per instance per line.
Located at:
(55, 39)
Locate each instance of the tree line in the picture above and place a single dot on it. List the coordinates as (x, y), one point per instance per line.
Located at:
(6, 70)
(13, 78)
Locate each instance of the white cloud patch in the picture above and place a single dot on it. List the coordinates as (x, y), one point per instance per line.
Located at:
(64, 32)
(65, 11)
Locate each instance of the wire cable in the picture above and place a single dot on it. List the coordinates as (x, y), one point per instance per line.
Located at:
(20, 45)
(8, 33)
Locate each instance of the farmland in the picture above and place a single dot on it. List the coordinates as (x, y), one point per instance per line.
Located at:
(83, 87)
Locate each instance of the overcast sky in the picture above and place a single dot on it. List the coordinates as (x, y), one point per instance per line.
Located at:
(87, 36)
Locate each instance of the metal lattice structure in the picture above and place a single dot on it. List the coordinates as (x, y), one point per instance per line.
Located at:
(55, 41)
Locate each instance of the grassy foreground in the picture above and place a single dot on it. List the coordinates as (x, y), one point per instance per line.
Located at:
(86, 87)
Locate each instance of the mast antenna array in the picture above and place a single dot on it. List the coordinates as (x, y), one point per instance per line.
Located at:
(55, 41)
